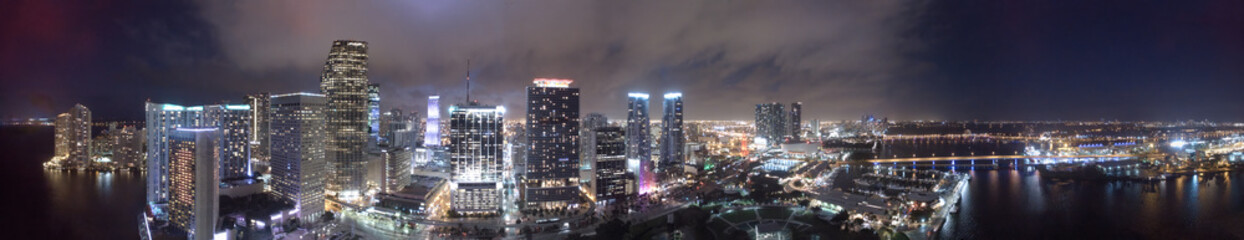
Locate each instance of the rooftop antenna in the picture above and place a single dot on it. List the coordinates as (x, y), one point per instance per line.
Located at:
(468, 81)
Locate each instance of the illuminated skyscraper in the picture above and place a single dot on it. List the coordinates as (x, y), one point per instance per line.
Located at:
(391, 123)
(672, 137)
(552, 177)
(638, 140)
(611, 178)
(587, 135)
(234, 122)
(73, 137)
(299, 170)
(587, 146)
(432, 128)
(373, 110)
(259, 126)
(795, 120)
(161, 120)
(344, 84)
(194, 181)
(771, 126)
(476, 144)
(396, 173)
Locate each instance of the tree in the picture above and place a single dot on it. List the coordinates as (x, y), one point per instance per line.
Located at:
(327, 217)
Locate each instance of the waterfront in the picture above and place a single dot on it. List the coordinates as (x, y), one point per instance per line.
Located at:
(1010, 203)
(999, 204)
(43, 204)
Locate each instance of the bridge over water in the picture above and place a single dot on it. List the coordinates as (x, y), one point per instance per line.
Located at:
(993, 157)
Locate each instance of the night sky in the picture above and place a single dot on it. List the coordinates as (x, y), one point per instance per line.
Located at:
(907, 60)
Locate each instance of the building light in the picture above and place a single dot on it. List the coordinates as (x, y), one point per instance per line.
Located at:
(552, 82)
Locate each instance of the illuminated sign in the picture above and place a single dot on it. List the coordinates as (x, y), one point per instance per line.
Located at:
(552, 82)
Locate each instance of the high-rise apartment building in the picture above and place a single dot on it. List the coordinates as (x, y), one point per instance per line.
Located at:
(795, 120)
(344, 84)
(587, 136)
(672, 135)
(587, 147)
(194, 181)
(73, 137)
(638, 140)
(552, 176)
(234, 122)
(771, 126)
(611, 176)
(476, 144)
(298, 168)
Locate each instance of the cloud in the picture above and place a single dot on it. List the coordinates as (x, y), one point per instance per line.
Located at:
(838, 57)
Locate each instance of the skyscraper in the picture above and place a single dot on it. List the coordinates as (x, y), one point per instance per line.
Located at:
(259, 126)
(476, 143)
(73, 137)
(391, 123)
(672, 135)
(638, 141)
(795, 120)
(611, 176)
(587, 136)
(161, 120)
(552, 176)
(344, 84)
(194, 181)
(299, 170)
(396, 174)
(771, 126)
(587, 147)
(234, 122)
(373, 110)
(432, 128)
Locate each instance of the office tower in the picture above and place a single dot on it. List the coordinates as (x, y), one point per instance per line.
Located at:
(73, 137)
(299, 170)
(193, 180)
(638, 140)
(611, 176)
(373, 110)
(344, 84)
(259, 126)
(795, 121)
(476, 143)
(672, 135)
(234, 122)
(432, 127)
(396, 173)
(552, 176)
(771, 124)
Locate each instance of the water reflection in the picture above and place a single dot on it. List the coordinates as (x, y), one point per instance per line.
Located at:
(1020, 204)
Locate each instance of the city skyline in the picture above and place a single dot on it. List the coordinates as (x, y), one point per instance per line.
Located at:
(907, 61)
(553, 119)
